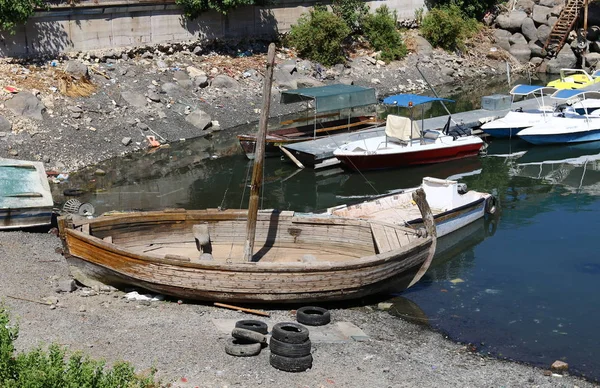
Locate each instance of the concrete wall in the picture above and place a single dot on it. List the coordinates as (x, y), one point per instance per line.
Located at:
(101, 24)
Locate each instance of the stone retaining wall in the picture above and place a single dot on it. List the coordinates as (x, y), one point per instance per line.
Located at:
(101, 24)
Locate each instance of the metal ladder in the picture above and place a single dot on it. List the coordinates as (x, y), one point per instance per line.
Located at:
(564, 25)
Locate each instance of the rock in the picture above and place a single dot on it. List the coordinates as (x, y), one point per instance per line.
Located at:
(5, 125)
(592, 59)
(422, 46)
(75, 109)
(384, 306)
(199, 119)
(543, 32)
(153, 96)
(501, 37)
(346, 81)
(529, 29)
(76, 115)
(284, 80)
(304, 67)
(552, 21)
(26, 104)
(82, 309)
(447, 71)
(13, 152)
(162, 65)
(537, 49)
(541, 14)
(559, 366)
(194, 72)
(512, 21)
(134, 99)
(223, 81)
(172, 89)
(565, 59)
(99, 172)
(556, 10)
(525, 5)
(147, 55)
(308, 82)
(142, 126)
(126, 141)
(536, 61)
(201, 81)
(181, 76)
(551, 3)
(517, 38)
(76, 69)
(520, 51)
(197, 50)
(371, 60)
(67, 285)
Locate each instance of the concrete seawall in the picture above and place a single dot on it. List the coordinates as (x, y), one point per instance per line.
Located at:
(102, 24)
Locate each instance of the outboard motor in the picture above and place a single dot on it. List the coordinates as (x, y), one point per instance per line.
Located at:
(461, 188)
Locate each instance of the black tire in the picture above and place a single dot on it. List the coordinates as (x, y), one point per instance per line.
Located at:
(291, 364)
(235, 348)
(290, 350)
(254, 325)
(248, 336)
(290, 332)
(313, 316)
(73, 192)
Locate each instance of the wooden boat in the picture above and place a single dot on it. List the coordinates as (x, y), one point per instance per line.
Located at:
(326, 99)
(25, 197)
(204, 255)
(405, 144)
(453, 207)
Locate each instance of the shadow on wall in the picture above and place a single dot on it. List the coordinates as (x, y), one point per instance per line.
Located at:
(34, 39)
(244, 22)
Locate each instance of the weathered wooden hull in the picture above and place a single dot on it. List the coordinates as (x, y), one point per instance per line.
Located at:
(94, 257)
(303, 133)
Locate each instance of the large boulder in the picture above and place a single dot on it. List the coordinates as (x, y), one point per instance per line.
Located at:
(25, 104)
(543, 32)
(537, 49)
(529, 29)
(520, 51)
(422, 46)
(501, 37)
(565, 59)
(517, 38)
(223, 81)
(556, 11)
(511, 21)
(76, 69)
(284, 79)
(199, 119)
(552, 21)
(592, 59)
(525, 5)
(5, 125)
(541, 14)
(551, 3)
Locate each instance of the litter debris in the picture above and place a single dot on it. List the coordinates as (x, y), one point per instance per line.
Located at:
(134, 295)
(152, 140)
(456, 281)
(82, 87)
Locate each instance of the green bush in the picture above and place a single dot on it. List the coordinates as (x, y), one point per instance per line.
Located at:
(193, 8)
(318, 36)
(380, 30)
(51, 369)
(471, 8)
(352, 12)
(13, 12)
(447, 27)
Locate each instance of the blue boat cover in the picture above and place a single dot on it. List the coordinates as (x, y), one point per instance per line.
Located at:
(408, 100)
(565, 94)
(524, 90)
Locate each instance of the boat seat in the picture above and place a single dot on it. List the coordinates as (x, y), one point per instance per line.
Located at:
(427, 134)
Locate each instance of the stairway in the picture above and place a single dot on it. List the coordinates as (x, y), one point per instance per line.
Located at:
(564, 25)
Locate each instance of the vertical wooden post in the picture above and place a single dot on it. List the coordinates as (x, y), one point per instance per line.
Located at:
(259, 156)
(585, 17)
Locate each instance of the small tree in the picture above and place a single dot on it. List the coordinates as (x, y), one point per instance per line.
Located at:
(13, 12)
(447, 27)
(471, 8)
(319, 35)
(193, 8)
(352, 12)
(380, 30)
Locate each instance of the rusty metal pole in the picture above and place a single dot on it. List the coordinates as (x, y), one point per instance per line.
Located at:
(259, 156)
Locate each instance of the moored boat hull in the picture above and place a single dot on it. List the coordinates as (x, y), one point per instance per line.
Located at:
(363, 162)
(561, 138)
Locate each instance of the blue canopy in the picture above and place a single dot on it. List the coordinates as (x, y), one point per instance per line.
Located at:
(408, 100)
(565, 94)
(524, 90)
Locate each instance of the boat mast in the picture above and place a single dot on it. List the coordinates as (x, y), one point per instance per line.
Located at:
(257, 171)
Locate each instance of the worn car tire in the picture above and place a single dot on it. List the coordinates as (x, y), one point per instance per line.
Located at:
(248, 336)
(290, 350)
(289, 332)
(254, 325)
(236, 348)
(313, 316)
(291, 364)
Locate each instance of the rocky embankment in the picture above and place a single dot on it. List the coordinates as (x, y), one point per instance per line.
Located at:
(86, 107)
(524, 29)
